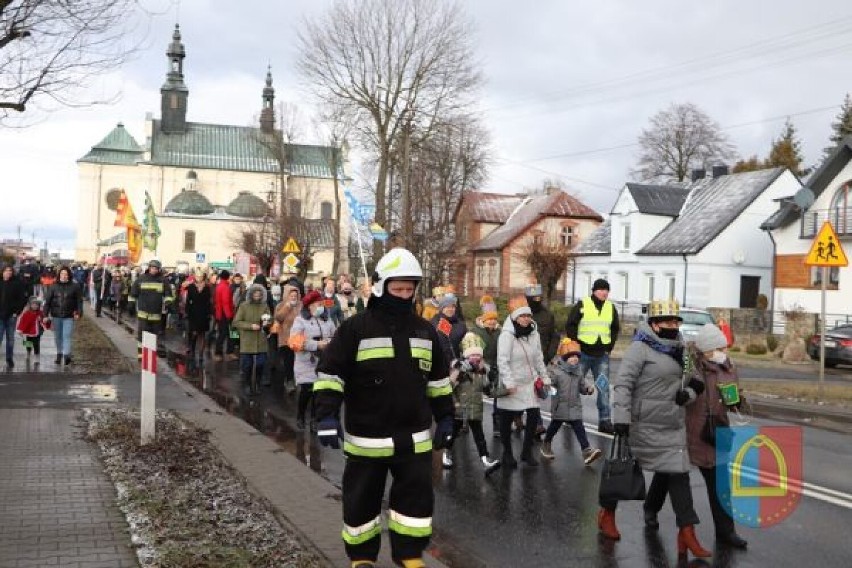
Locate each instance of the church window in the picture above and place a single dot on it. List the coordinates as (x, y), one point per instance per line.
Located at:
(189, 241)
(173, 101)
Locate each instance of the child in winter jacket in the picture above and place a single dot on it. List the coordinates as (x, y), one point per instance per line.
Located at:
(469, 377)
(31, 327)
(566, 405)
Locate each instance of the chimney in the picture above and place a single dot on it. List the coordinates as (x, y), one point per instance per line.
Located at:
(720, 170)
(698, 173)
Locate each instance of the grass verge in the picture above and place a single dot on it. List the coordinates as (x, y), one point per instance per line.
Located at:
(801, 391)
(186, 506)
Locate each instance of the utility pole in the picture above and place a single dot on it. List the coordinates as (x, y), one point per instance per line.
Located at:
(406, 179)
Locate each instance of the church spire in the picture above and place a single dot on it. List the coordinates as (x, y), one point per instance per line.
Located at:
(267, 113)
(174, 93)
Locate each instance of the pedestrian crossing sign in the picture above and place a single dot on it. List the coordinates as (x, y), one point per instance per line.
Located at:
(826, 249)
(291, 247)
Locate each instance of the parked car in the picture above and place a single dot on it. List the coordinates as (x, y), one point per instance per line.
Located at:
(693, 320)
(838, 346)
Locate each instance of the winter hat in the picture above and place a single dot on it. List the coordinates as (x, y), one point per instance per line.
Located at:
(710, 337)
(34, 300)
(532, 290)
(437, 291)
(448, 300)
(600, 284)
(489, 308)
(471, 344)
(518, 306)
(311, 297)
(568, 346)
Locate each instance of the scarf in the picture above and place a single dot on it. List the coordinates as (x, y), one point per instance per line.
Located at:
(673, 351)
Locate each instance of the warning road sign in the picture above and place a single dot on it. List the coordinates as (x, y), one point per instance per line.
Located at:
(826, 249)
(291, 246)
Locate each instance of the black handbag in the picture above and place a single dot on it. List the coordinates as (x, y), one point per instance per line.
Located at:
(621, 477)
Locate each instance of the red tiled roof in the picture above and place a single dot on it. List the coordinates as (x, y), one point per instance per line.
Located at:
(490, 207)
(559, 204)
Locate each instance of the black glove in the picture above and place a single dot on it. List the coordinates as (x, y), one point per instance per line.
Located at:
(328, 431)
(681, 397)
(621, 429)
(696, 385)
(443, 433)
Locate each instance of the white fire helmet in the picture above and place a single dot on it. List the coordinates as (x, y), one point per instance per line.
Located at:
(396, 264)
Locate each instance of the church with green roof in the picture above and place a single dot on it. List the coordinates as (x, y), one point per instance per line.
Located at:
(209, 183)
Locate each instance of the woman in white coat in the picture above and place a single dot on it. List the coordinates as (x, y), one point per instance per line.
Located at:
(521, 362)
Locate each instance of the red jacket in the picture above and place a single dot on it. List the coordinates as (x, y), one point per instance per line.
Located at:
(29, 323)
(223, 301)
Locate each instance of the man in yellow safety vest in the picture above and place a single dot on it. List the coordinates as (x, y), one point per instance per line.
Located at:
(593, 323)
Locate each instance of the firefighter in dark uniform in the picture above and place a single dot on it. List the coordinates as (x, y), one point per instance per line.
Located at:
(151, 294)
(387, 366)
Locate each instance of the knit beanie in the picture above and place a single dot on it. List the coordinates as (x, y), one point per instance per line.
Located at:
(311, 297)
(437, 291)
(488, 307)
(518, 306)
(600, 284)
(709, 338)
(471, 344)
(448, 300)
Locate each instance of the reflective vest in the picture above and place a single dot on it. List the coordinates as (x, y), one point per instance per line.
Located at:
(595, 325)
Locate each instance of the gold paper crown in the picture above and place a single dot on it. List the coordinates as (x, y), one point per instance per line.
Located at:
(664, 309)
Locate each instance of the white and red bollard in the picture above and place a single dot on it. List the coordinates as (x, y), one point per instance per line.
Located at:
(148, 404)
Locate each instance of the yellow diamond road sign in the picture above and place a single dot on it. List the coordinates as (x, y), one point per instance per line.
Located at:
(826, 249)
(291, 260)
(291, 246)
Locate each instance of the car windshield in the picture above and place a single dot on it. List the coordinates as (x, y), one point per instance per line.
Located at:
(696, 318)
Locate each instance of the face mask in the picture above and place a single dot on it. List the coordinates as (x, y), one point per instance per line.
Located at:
(668, 333)
(719, 357)
(318, 311)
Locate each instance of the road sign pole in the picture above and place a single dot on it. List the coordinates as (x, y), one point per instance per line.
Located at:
(148, 404)
(824, 270)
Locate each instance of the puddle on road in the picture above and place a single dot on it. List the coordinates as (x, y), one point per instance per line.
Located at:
(264, 412)
(92, 392)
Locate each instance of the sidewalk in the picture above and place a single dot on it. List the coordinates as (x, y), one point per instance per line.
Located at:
(57, 506)
(302, 500)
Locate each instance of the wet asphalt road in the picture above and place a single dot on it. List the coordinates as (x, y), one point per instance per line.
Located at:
(546, 515)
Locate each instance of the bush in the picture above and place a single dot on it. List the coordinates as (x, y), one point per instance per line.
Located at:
(771, 342)
(756, 349)
(735, 349)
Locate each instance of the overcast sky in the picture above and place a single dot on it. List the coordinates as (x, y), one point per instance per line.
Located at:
(569, 87)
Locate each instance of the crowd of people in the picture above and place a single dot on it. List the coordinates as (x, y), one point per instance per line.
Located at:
(399, 365)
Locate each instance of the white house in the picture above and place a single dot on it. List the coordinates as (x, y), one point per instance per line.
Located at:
(793, 227)
(698, 242)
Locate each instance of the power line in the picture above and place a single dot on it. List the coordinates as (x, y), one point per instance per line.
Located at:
(775, 43)
(577, 153)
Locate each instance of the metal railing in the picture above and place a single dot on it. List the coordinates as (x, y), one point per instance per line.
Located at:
(840, 217)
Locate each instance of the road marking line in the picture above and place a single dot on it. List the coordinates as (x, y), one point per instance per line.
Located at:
(812, 490)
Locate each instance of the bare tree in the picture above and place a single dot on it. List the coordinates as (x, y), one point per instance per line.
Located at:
(679, 139)
(443, 168)
(381, 61)
(548, 259)
(51, 50)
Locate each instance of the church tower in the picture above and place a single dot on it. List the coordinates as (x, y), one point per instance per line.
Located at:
(267, 114)
(174, 93)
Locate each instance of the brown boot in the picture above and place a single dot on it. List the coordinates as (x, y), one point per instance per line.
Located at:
(606, 524)
(686, 540)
